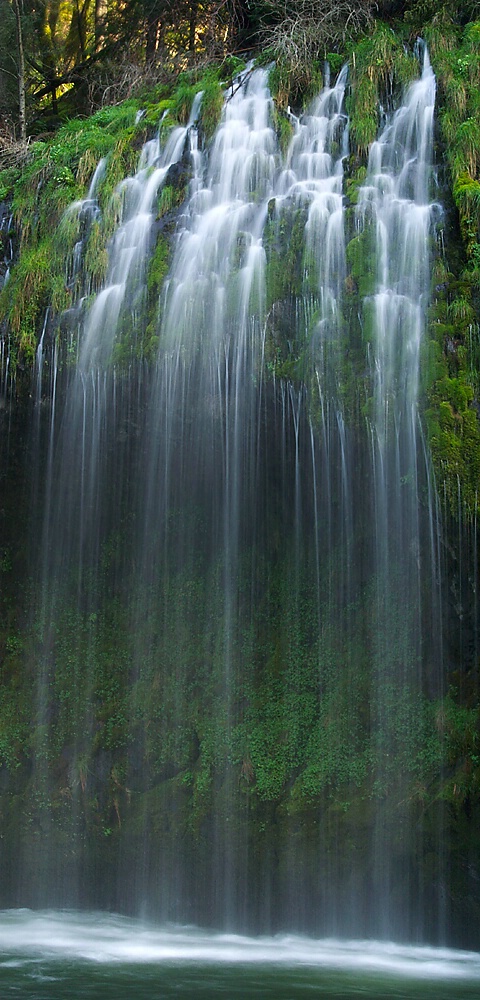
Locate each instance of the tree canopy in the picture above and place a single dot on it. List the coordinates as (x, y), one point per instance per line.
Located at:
(59, 58)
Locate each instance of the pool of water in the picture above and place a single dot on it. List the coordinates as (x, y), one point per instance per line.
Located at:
(56, 955)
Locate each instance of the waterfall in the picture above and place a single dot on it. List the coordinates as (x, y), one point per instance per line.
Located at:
(80, 457)
(231, 557)
(396, 217)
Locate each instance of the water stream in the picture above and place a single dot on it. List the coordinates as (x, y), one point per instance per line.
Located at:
(236, 608)
(48, 955)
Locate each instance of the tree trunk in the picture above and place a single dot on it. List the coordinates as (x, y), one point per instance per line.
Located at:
(99, 21)
(192, 27)
(80, 20)
(22, 118)
(153, 25)
(53, 94)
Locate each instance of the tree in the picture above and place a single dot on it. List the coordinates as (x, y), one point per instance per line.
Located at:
(22, 118)
(12, 68)
(301, 30)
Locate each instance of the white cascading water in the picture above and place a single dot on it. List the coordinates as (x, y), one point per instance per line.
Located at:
(91, 395)
(395, 209)
(314, 176)
(203, 433)
(129, 250)
(210, 461)
(82, 468)
(227, 485)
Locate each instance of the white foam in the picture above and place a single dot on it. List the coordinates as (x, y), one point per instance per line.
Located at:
(108, 938)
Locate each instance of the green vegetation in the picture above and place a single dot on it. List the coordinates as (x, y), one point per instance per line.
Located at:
(211, 108)
(55, 177)
(284, 130)
(140, 718)
(295, 86)
(381, 67)
(313, 720)
(453, 392)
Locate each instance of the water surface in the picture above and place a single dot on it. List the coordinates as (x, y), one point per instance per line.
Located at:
(54, 955)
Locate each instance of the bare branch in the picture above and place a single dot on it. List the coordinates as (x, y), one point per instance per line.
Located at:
(302, 31)
(13, 152)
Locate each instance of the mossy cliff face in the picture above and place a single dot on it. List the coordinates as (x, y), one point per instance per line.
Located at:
(122, 756)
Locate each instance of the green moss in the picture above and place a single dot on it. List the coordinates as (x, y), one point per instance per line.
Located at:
(360, 254)
(450, 384)
(27, 294)
(279, 84)
(211, 107)
(8, 178)
(354, 183)
(379, 65)
(55, 175)
(15, 726)
(155, 112)
(157, 271)
(457, 65)
(59, 294)
(296, 737)
(461, 312)
(96, 255)
(455, 442)
(158, 266)
(284, 248)
(364, 120)
(285, 131)
(121, 163)
(452, 396)
(466, 194)
(182, 101)
(294, 85)
(169, 199)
